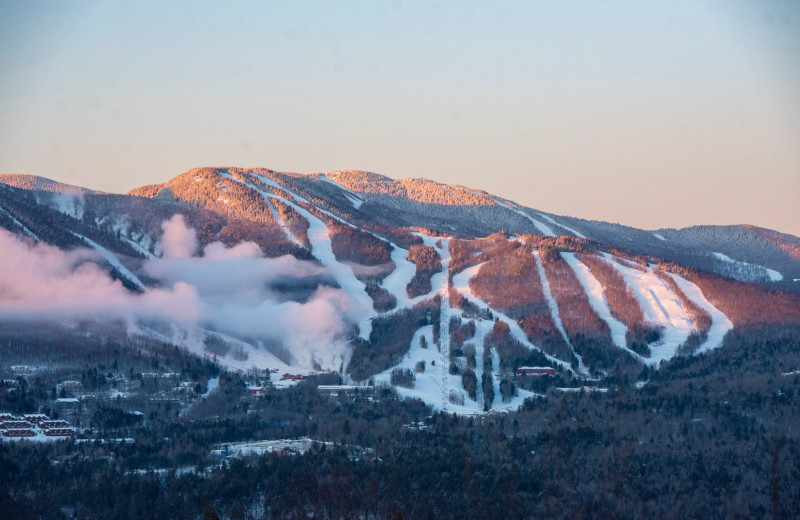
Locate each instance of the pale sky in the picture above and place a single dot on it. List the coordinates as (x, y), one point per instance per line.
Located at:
(652, 114)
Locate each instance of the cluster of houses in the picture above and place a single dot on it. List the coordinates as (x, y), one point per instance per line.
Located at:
(292, 377)
(33, 425)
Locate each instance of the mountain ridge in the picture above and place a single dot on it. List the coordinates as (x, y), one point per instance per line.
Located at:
(401, 283)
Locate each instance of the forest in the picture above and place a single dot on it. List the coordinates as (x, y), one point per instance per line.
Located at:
(712, 436)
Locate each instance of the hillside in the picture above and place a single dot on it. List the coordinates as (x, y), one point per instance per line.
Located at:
(439, 291)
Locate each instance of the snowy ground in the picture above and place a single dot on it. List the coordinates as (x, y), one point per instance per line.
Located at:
(598, 301)
(354, 198)
(561, 225)
(113, 260)
(720, 324)
(461, 284)
(541, 226)
(771, 274)
(553, 305)
(435, 385)
(20, 224)
(659, 305)
(321, 249)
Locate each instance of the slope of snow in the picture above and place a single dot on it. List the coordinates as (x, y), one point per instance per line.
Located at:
(597, 299)
(113, 260)
(659, 305)
(551, 303)
(577, 234)
(321, 248)
(20, 224)
(771, 274)
(720, 324)
(269, 182)
(461, 284)
(659, 236)
(284, 229)
(541, 226)
(352, 196)
(398, 279)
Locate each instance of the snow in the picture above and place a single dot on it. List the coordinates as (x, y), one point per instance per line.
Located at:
(284, 229)
(659, 236)
(20, 224)
(561, 225)
(113, 260)
(771, 274)
(321, 248)
(435, 385)
(551, 303)
(354, 198)
(659, 305)
(461, 284)
(541, 226)
(597, 299)
(398, 280)
(39, 437)
(720, 324)
(269, 182)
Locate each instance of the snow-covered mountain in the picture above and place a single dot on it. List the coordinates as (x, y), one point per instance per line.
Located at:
(442, 291)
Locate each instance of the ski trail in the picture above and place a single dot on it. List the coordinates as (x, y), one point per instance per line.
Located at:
(113, 260)
(284, 228)
(398, 280)
(541, 226)
(553, 305)
(720, 323)
(321, 248)
(561, 225)
(20, 224)
(597, 300)
(660, 306)
(461, 284)
(354, 198)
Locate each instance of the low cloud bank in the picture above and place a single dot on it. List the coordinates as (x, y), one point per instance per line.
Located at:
(227, 289)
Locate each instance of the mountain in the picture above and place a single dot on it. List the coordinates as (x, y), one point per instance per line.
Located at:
(441, 291)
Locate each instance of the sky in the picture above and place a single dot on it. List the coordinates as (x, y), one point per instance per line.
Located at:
(652, 114)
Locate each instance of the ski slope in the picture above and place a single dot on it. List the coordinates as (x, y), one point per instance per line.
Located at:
(577, 234)
(720, 324)
(597, 299)
(660, 306)
(553, 306)
(461, 284)
(322, 250)
(113, 260)
(21, 225)
(541, 226)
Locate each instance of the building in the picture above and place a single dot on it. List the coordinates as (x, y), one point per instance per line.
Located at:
(536, 371)
(256, 391)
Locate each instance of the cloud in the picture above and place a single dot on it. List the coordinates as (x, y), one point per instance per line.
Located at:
(42, 281)
(226, 290)
(178, 241)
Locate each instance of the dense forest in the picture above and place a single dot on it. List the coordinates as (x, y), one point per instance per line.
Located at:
(712, 436)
